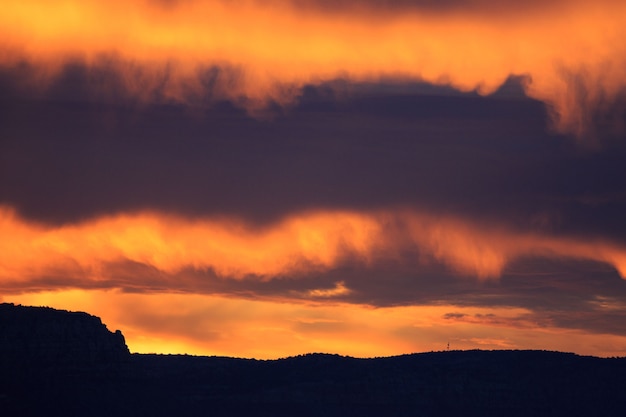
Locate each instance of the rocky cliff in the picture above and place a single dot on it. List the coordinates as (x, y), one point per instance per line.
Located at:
(45, 335)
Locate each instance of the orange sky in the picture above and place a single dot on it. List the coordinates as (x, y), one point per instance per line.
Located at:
(269, 329)
(77, 259)
(572, 52)
(226, 285)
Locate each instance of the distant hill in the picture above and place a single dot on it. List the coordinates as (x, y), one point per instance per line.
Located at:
(56, 363)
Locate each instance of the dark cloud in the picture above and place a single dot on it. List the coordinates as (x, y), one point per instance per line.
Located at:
(432, 6)
(449, 316)
(485, 6)
(67, 156)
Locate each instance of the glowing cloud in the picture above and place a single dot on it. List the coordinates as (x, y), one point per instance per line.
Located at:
(295, 246)
(252, 52)
(339, 289)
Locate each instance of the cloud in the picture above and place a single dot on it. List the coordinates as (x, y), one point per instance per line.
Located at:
(256, 53)
(298, 245)
(450, 316)
(484, 158)
(339, 289)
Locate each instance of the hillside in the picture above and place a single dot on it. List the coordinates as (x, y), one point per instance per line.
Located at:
(91, 373)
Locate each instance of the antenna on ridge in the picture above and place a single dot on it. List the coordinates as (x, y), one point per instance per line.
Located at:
(448, 349)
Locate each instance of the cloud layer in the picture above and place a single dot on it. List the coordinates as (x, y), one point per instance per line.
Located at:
(254, 53)
(298, 245)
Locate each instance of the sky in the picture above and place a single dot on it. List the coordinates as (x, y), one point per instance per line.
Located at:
(264, 178)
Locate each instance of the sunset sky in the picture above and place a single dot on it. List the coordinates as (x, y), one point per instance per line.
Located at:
(266, 178)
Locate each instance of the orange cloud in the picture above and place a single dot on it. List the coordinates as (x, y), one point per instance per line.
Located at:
(572, 51)
(339, 289)
(296, 245)
(169, 243)
(214, 325)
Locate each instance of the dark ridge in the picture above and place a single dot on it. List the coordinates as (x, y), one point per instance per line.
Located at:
(454, 383)
(45, 336)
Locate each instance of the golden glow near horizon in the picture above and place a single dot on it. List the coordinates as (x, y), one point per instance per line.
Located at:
(572, 51)
(270, 329)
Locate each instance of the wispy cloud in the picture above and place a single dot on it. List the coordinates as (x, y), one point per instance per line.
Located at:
(295, 246)
(256, 52)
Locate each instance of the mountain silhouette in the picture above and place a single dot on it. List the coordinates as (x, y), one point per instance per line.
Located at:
(59, 363)
(42, 335)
